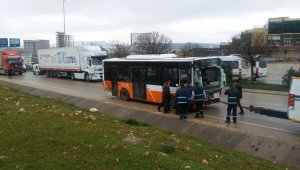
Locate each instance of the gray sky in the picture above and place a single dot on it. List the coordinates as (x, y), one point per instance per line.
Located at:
(206, 21)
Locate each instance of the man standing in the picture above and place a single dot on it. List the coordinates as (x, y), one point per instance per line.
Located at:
(239, 88)
(182, 101)
(166, 97)
(198, 95)
(10, 71)
(233, 94)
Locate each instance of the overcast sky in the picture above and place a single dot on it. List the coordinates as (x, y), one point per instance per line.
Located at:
(206, 21)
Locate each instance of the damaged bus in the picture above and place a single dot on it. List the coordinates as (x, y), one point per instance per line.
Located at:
(141, 77)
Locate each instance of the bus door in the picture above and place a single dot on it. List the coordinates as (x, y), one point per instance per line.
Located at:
(139, 83)
(114, 82)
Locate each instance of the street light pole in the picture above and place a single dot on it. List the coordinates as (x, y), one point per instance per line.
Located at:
(64, 17)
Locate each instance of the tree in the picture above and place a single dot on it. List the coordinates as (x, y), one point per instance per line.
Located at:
(250, 45)
(153, 43)
(189, 50)
(287, 78)
(120, 49)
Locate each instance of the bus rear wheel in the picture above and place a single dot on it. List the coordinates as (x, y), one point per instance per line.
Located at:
(124, 95)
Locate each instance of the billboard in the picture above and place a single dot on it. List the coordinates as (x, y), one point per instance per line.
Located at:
(3, 42)
(14, 42)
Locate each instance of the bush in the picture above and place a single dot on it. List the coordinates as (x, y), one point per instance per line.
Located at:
(286, 79)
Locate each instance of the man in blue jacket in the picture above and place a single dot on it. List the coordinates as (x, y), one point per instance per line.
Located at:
(232, 96)
(198, 95)
(181, 98)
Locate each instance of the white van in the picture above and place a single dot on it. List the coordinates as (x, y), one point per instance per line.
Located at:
(240, 68)
(294, 100)
(260, 68)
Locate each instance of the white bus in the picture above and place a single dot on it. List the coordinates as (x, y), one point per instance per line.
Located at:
(240, 68)
(141, 77)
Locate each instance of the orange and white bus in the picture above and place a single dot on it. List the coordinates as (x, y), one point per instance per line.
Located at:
(141, 77)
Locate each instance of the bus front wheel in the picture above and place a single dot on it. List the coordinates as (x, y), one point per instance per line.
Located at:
(124, 95)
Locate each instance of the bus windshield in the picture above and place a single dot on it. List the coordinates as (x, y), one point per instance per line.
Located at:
(97, 60)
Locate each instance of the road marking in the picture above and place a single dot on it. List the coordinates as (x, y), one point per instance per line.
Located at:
(253, 124)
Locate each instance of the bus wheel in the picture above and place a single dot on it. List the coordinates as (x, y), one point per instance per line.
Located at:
(172, 102)
(124, 95)
(86, 77)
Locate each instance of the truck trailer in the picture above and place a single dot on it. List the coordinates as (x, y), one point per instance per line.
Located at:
(80, 62)
(11, 57)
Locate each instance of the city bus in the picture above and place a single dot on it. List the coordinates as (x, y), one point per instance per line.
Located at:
(141, 77)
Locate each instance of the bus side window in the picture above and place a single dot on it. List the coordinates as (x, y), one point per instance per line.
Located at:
(124, 74)
(154, 76)
(184, 75)
(170, 74)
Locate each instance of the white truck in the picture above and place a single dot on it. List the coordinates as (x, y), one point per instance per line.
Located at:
(81, 62)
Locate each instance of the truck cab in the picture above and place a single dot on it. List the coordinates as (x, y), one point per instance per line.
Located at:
(11, 58)
(294, 100)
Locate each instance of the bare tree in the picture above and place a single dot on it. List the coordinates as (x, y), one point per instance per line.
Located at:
(189, 50)
(250, 45)
(120, 49)
(153, 43)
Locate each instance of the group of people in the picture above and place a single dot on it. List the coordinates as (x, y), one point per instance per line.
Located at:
(186, 94)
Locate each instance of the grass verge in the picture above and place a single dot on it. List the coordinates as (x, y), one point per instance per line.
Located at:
(263, 86)
(41, 133)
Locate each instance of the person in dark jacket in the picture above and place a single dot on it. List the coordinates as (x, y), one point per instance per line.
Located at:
(166, 98)
(239, 88)
(198, 95)
(181, 98)
(232, 96)
(189, 88)
(10, 71)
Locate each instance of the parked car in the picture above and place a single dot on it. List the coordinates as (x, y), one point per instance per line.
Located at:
(294, 100)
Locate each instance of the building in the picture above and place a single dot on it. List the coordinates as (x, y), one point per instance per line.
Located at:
(31, 47)
(63, 40)
(284, 33)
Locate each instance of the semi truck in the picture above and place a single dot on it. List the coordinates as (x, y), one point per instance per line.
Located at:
(80, 62)
(11, 57)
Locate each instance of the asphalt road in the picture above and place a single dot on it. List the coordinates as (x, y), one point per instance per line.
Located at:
(215, 113)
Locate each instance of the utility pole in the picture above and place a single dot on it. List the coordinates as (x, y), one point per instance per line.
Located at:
(64, 37)
(64, 17)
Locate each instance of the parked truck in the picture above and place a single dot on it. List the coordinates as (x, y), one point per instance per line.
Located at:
(81, 62)
(11, 57)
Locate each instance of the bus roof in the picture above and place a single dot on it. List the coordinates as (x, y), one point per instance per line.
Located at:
(153, 58)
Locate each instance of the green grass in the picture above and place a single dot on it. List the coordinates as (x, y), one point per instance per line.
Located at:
(50, 134)
(263, 86)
